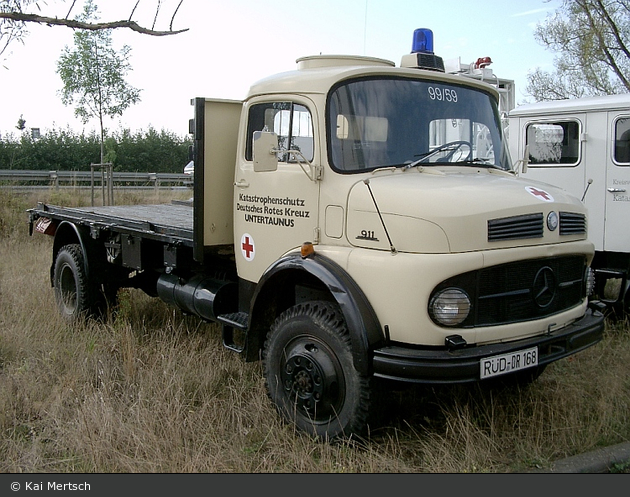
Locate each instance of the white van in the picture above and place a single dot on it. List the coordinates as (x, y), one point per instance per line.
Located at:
(583, 146)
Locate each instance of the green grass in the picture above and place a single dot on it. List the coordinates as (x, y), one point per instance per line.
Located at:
(155, 391)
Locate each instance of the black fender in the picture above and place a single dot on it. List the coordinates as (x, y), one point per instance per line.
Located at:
(363, 325)
(68, 233)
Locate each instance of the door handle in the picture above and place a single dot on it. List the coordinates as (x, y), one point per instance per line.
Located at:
(616, 190)
(241, 183)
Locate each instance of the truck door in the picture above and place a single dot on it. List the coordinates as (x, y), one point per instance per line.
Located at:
(275, 211)
(617, 235)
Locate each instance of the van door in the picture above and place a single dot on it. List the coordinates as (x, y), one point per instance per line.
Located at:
(275, 211)
(617, 234)
(569, 151)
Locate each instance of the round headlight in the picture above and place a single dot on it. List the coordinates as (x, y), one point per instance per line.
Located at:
(450, 307)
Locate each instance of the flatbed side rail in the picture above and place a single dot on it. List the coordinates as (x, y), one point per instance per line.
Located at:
(168, 223)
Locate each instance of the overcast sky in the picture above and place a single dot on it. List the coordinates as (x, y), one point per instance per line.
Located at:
(229, 45)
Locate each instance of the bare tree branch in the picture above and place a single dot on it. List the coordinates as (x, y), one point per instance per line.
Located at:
(157, 12)
(175, 13)
(600, 36)
(134, 9)
(590, 38)
(614, 29)
(71, 7)
(55, 21)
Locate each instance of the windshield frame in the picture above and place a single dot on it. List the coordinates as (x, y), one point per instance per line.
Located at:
(385, 107)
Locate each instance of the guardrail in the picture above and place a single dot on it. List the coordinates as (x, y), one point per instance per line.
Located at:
(56, 177)
(94, 180)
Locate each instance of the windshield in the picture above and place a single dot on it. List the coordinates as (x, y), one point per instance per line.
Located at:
(398, 122)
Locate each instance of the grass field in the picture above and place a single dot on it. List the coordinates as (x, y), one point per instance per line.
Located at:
(155, 391)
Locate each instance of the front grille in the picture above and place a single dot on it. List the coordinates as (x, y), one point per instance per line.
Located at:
(572, 223)
(532, 226)
(515, 227)
(521, 291)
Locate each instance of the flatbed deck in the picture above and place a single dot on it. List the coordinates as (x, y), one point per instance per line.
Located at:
(166, 222)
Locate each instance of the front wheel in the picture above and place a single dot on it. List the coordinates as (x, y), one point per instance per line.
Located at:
(310, 373)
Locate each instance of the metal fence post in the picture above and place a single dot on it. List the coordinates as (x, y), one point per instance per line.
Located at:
(54, 178)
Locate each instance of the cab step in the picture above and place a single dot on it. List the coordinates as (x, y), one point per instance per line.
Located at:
(234, 330)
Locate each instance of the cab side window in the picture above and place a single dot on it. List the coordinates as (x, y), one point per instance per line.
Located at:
(290, 121)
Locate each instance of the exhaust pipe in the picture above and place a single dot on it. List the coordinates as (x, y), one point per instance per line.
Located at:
(204, 297)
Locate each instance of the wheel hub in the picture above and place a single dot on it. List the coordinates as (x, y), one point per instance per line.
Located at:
(310, 378)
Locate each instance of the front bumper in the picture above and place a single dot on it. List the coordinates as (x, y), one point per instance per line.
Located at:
(443, 366)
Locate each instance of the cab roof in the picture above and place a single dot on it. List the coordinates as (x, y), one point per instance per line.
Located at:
(316, 74)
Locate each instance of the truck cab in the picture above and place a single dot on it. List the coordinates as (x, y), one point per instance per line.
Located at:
(389, 192)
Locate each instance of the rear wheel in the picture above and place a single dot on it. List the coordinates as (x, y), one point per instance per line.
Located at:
(70, 283)
(310, 373)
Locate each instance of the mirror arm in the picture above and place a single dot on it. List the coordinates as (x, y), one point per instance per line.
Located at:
(315, 173)
(523, 162)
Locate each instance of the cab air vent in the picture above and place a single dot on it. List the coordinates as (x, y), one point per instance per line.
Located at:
(572, 223)
(516, 227)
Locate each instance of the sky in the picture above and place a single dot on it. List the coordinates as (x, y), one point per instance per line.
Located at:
(230, 45)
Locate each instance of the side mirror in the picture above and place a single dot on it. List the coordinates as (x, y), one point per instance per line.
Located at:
(265, 147)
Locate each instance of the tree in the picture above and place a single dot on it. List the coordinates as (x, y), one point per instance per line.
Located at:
(93, 75)
(21, 123)
(15, 15)
(592, 40)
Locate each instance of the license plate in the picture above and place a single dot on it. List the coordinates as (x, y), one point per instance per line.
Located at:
(508, 363)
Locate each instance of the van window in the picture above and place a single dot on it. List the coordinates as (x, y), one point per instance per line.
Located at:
(554, 143)
(622, 140)
(290, 121)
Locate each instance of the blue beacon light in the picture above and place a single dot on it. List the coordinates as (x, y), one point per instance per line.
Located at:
(422, 41)
(422, 56)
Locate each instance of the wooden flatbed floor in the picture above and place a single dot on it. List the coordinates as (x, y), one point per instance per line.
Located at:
(170, 221)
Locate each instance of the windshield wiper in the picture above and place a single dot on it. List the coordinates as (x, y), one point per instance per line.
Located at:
(423, 156)
(450, 147)
(478, 161)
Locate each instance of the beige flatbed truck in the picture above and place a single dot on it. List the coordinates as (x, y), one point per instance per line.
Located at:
(351, 220)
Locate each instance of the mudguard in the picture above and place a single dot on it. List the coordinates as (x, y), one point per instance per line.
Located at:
(365, 330)
(65, 234)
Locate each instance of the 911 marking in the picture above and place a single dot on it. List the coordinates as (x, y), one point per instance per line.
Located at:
(367, 235)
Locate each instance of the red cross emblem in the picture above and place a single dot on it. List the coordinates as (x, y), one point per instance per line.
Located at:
(541, 194)
(247, 247)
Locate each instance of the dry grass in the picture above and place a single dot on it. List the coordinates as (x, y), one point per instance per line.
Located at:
(155, 391)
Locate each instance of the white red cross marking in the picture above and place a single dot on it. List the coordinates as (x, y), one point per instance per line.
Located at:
(540, 194)
(248, 248)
